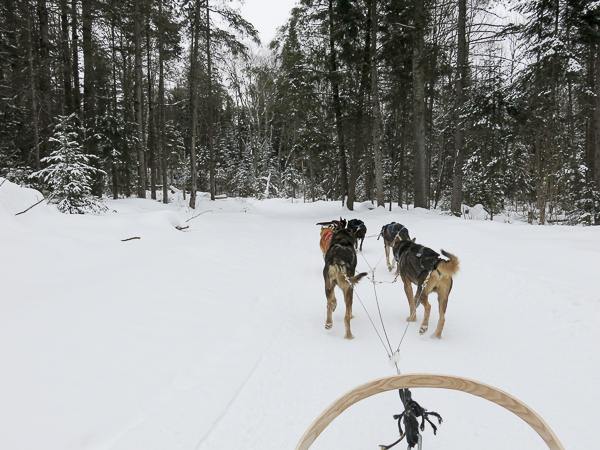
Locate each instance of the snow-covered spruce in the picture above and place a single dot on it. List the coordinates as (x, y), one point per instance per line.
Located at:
(69, 174)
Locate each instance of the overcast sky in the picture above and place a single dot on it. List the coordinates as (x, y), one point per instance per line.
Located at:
(267, 15)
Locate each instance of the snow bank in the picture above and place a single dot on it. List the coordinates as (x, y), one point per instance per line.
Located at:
(15, 199)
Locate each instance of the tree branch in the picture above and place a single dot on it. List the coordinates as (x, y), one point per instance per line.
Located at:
(22, 212)
(210, 210)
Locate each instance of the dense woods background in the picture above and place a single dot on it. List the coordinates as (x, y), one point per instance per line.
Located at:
(435, 103)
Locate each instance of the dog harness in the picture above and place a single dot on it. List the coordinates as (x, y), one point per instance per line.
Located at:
(388, 230)
(393, 224)
(398, 233)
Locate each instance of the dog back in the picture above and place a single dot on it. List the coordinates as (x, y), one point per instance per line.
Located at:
(342, 256)
(415, 261)
(357, 227)
(343, 237)
(341, 252)
(390, 231)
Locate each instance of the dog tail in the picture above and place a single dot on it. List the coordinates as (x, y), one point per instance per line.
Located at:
(356, 278)
(448, 268)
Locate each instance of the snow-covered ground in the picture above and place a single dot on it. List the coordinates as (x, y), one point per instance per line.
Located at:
(213, 337)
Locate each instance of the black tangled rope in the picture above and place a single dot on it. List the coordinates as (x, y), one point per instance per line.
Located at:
(412, 410)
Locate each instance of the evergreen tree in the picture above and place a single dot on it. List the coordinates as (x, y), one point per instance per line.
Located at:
(69, 174)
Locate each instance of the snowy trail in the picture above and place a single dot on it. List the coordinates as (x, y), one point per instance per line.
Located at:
(214, 337)
(492, 335)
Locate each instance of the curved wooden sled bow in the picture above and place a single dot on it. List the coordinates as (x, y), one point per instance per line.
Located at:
(421, 380)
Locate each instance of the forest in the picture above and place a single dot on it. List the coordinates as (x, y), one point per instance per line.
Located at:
(442, 104)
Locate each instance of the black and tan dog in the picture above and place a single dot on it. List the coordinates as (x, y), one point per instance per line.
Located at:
(392, 232)
(340, 265)
(424, 267)
(359, 230)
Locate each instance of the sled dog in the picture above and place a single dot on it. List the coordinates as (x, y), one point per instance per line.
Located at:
(424, 267)
(391, 233)
(340, 266)
(359, 230)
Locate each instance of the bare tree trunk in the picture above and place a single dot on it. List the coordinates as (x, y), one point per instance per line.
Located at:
(151, 121)
(356, 151)
(376, 110)
(420, 182)
(440, 169)
(114, 167)
(34, 105)
(401, 169)
(45, 79)
(539, 168)
(139, 119)
(193, 106)
(303, 183)
(594, 160)
(312, 176)
(75, 62)
(358, 128)
(552, 137)
(459, 133)
(211, 149)
(161, 105)
(593, 113)
(334, 77)
(66, 57)
(89, 89)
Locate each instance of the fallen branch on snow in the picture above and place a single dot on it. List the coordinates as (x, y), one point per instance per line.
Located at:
(210, 210)
(22, 212)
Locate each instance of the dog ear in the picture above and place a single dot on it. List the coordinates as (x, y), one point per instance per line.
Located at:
(414, 239)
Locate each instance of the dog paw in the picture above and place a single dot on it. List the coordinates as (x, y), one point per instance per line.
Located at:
(411, 318)
(435, 335)
(328, 326)
(349, 337)
(423, 330)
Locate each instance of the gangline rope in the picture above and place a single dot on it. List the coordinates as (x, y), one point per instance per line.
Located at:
(393, 356)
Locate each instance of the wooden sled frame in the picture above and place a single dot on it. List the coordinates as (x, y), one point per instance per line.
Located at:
(422, 380)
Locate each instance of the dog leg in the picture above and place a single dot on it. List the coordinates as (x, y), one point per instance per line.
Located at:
(411, 303)
(348, 294)
(425, 302)
(331, 303)
(361, 243)
(387, 256)
(443, 303)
